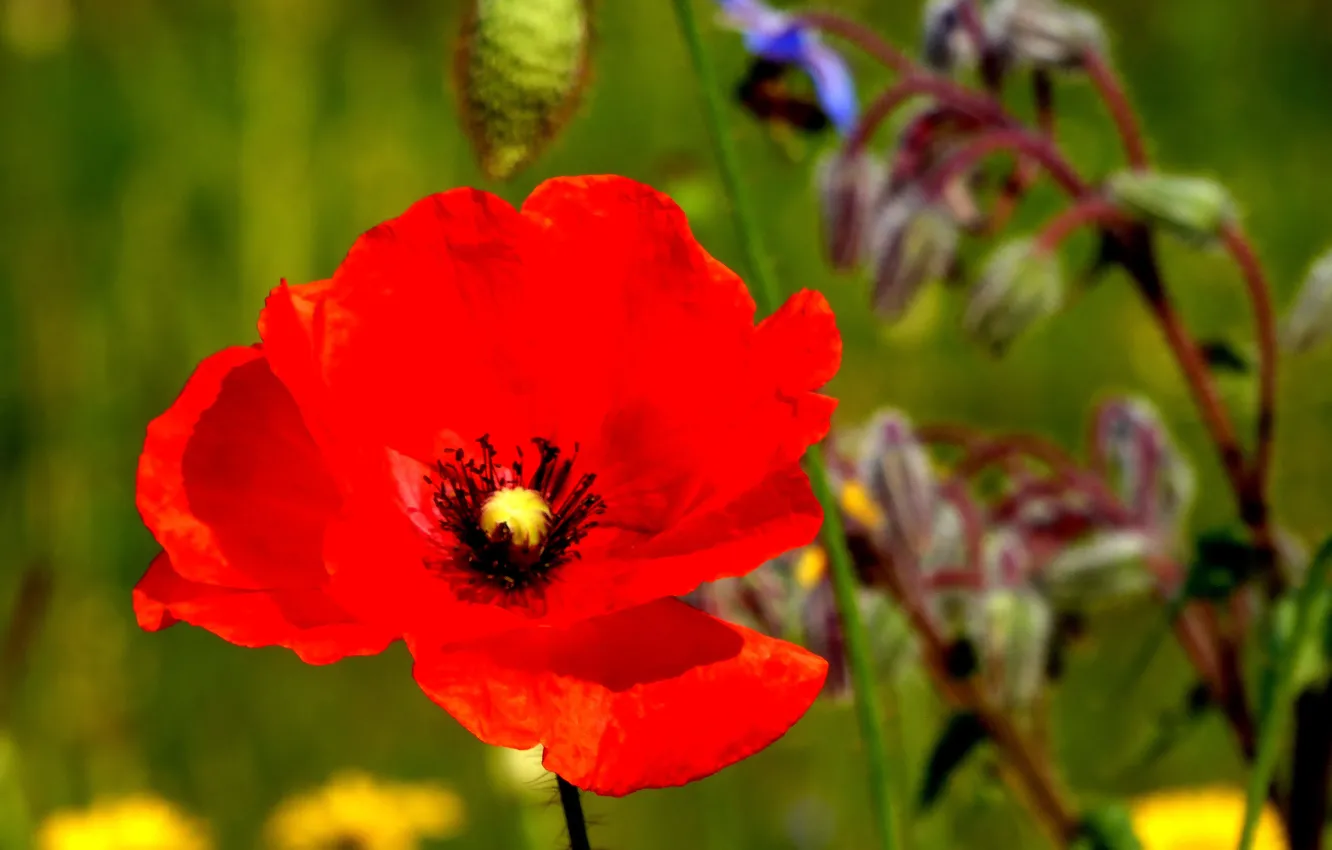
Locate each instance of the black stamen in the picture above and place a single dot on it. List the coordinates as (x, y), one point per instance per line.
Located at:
(491, 568)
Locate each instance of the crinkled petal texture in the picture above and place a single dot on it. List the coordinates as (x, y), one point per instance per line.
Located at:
(591, 319)
(655, 696)
(231, 484)
(287, 483)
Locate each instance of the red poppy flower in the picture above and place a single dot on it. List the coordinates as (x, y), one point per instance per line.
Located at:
(511, 438)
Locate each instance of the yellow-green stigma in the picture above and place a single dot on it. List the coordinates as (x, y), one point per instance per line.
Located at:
(524, 513)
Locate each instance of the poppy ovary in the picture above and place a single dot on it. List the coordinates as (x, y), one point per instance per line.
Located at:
(520, 515)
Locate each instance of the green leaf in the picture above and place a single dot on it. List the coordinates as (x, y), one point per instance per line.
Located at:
(1109, 827)
(957, 741)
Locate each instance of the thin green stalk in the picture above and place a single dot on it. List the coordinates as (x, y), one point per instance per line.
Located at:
(1279, 681)
(767, 296)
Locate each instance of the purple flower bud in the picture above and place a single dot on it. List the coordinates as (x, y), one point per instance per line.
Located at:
(896, 471)
(1019, 287)
(849, 186)
(1151, 477)
(1309, 321)
(947, 45)
(912, 242)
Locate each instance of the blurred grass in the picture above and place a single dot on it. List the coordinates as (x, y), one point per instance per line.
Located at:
(162, 165)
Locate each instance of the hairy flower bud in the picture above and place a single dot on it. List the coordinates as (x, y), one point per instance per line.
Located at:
(1043, 33)
(896, 470)
(912, 241)
(521, 67)
(947, 46)
(1019, 286)
(1019, 625)
(1144, 466)
(1099, 571)
(849, 185)
(1193, 208)
(1309, 321)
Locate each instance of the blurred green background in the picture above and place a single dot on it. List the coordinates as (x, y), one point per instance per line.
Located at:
(163, 164)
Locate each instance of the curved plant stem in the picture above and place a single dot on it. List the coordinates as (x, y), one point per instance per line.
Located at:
(861, 36)
(1279, 682)
(914, 85)
(1260, 299)
(1121, 111)
(1018, 140)
(844, 580)
(573, 815)
(1091, 210)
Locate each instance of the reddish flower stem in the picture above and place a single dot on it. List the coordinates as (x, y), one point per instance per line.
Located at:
(1024, 172)
(1260, 299)
(984, 449)
(1032, 775)
(1121, 111)
(1090, 210)
(915, 85)
(861, 36)
(1018, 140)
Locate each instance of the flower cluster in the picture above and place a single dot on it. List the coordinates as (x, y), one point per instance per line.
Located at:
(1006, 542)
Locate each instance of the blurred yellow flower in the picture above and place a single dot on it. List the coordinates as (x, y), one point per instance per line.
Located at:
(139, 822)
(1201, 819)
(859, 504)
(357, 811)
(519, 772)
(810, 566)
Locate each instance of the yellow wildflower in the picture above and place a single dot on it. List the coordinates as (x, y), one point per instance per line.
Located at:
(1201, 819)
(858, 504)
(810, 566)
(140, 822)
(356, 810)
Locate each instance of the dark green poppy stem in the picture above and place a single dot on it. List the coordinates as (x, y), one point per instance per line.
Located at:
(573, 815)
(767, 296)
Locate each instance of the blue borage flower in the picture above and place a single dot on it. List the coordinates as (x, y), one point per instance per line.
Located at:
(779, 37)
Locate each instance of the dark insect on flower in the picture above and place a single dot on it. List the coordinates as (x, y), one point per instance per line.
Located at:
(765, 93)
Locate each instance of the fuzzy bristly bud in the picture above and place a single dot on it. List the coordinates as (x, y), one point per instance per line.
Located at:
(1309, 322)
(521, 69)
(1020, 285)
(899, 477)
(1193, 208)
(947, 45)
(849, 184)
(1042, 33)
(1143, 464)
(912, 242)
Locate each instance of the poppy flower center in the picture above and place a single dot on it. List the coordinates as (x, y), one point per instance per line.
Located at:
(511, 530)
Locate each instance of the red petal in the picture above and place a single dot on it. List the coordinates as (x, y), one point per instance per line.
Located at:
(592, 318)
(651, 697)
(231, 483)
(304, 620)
(432, 323)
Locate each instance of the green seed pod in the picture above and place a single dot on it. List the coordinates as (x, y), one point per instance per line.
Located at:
(1019, 287)
(1194, 208)
(521, 69)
